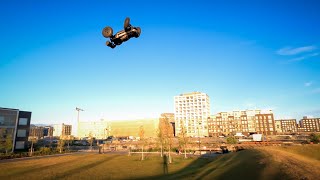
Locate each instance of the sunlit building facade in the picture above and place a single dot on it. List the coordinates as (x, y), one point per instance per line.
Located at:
(287, 126)
(309, 124)
(36, 132)
(96, 129)
(127, 128)
(191, 113)
(245, 122)
(62, 130)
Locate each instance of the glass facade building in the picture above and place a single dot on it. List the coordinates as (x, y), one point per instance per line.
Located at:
(14, 129)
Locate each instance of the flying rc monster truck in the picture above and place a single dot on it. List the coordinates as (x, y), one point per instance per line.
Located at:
(121, 36)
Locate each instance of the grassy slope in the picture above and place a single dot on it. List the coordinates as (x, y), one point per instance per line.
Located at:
(247, 164)
(293, 162)
(311, 151)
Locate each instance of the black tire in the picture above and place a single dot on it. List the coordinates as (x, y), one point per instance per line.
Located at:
(107, 32)
(138, 32)
(126, 23)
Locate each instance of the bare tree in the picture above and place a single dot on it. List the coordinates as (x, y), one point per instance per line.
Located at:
(183, 138)
(141, 135)
(2, 142)
(166, 132)
(161, 134)
(170, 138)
(33, 141)
(61, 144)
(90, 140)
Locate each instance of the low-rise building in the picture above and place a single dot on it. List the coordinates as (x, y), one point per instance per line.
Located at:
(126, 128)
(247, 122)
(36, 132)
(62, 130)
(287, 126)
(309, 124)
(278, 127)
(14, 129)
(96, 129)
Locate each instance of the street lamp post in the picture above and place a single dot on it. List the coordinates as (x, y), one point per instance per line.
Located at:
(199, 138)
(78, 121)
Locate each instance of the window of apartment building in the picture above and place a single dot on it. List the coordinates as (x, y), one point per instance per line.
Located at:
(20, 145)
(1, 120)
(23, 121)
(22, 133)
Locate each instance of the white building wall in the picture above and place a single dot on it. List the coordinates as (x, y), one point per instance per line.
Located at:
(57, 130)
(192, 111)
(96, 129)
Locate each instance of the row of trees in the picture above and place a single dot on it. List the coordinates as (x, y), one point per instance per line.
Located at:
(165, 138)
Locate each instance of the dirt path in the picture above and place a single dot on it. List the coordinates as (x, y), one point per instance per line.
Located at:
(280, 163)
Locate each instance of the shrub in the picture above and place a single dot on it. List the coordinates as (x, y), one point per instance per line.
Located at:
(45, 150)
(315, 138)
(231, 140)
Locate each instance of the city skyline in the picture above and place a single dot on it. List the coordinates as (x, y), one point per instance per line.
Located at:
(244, 55)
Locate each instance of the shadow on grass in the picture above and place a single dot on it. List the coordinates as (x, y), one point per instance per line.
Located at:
(32, 169)
(246, 164)
(84, 167)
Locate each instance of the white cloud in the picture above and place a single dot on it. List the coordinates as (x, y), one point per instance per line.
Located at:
(249, 104)
(307, 84)
(288, 51)
(303, 57)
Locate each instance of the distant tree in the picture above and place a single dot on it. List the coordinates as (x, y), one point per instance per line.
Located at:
(170, 139)
(6, 140)
(141, 135)
(315, 138)
(162, 134)
(33, 141)
(8, 143)
(2, 138)
(231, 140)
(183, 138)
(168, 136)
(91, 139)
(61, 143)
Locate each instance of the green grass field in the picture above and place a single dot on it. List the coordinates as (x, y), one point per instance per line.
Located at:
(246, 164)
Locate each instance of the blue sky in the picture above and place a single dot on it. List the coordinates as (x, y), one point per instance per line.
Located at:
(243, 54)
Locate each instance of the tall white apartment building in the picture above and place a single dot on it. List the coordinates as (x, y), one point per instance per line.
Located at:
(191, 113)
